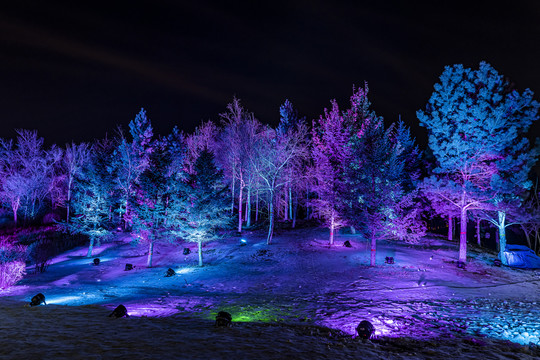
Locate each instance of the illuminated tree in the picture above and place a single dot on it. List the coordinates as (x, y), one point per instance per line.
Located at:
(91, 215)
(150, 200)
(295, 171)
(130, 159)
(272, 153)
(331, 155)
(75, 157)
(476, 124)
(233, 149)
(199, 209)
(374, 180)
(26, 172)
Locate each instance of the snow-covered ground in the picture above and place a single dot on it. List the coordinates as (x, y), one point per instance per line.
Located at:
(297, 298)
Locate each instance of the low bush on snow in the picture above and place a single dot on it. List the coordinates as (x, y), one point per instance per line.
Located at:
(12, 263)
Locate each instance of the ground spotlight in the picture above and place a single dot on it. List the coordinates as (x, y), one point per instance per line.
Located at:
(365, 329)
(461, 265)
(389, 260)
(37, 300)
(223, 319)
(119, 312)
(170, 272)
(347, 244)
(96, 261)
(497, 262)
(243, 242)
(128, 267)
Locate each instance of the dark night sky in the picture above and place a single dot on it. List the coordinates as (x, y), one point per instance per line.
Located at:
(75, 71)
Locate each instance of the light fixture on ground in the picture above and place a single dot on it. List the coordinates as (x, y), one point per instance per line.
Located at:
(365, 329)
(96, 261)
(38, 300)
(187, 251)
(389, 260)
(128, 267)
(119, 312)
(347, 244)
(223, 319)
(170, 272)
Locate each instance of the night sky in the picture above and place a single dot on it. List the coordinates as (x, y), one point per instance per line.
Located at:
(76, 72)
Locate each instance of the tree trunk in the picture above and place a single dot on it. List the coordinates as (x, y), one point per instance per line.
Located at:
(478, 240)
(68, 200)
(373, 256)
(286, 206)
(463, 236)
(150, 253)
(90, 247)
(295, 210)
(527, 235)
(332, 224)
(232, 197)
(248, 208)
(502, 237)
(15, 207)
(199, 249)
(257, 207)
(240, 209)
(271, 216)
(450, 228)
(290, 204)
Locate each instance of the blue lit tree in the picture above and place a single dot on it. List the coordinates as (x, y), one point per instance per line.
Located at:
(476, 124)
(91, 203)
(151, 194)
(199, 206)
(374, 179)
(130, 159)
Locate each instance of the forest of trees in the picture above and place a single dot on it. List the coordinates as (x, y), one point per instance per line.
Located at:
(346, 168)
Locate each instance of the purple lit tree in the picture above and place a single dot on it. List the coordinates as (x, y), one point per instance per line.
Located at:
(295, 170)
(272, 153)
(331, 155)
(26, 172)
(475, 121)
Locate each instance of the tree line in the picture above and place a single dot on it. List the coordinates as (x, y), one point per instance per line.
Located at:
(345, 168)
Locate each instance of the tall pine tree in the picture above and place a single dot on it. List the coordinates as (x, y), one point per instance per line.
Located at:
(476, 124)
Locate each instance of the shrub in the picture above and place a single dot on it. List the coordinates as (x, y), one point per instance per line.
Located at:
(12, 263)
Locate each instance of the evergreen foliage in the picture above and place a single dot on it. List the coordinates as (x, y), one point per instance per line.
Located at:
(476, 124)
(200, 211)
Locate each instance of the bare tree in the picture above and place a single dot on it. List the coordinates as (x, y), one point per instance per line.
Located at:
(273, 151)
(75, 157)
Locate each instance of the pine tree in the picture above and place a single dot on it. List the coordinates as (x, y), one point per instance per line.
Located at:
(151, 193)
(130, 160)
(374, 178)
(199, 209)
(90, 205)
(476, 124)
(331, 154)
